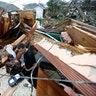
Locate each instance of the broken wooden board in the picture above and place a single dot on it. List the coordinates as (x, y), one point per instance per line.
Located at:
(9, 91)
(82, 37)
(84, 26)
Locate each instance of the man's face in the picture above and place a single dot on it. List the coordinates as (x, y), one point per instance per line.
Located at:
(23, 50)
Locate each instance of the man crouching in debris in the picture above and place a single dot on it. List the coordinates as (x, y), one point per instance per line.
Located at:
(24, 61)
(26, 58)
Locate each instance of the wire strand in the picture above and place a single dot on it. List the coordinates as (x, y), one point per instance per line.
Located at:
(53, 79)
(36, 66)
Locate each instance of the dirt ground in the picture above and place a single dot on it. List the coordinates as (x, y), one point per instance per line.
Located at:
(20, 90)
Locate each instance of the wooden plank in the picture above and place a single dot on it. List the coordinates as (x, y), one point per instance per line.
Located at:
(1, 25)
(30, 34)
(87, 29)
(9, 91)
(20, 39)
(79, 24)
(1, 10)
(83, 24)
(67, 22)
(48, 88)
(68, 72)
(6, 25)
(82, 37)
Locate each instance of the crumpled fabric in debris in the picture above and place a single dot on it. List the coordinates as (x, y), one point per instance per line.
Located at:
(9, 49)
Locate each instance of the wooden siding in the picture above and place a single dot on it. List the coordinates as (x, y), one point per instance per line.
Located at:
(48, 88)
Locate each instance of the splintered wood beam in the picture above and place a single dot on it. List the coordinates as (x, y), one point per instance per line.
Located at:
(30, 34)
(67, 22)
(20, 39)
(67, 71)
(9, 91)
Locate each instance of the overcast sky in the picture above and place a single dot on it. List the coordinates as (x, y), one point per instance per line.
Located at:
(20, 3)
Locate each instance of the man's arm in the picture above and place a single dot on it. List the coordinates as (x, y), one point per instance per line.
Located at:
(18, 56)
(30, 68)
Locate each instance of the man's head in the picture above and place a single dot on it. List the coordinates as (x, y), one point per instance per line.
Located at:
(21, 47)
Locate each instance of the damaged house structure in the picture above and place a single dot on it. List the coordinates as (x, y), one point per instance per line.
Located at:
(71, 55)
(38, 8)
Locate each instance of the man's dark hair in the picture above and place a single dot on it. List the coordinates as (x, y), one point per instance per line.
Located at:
(21, 45)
